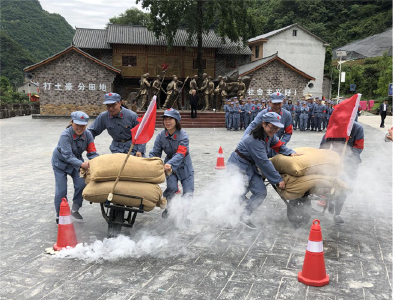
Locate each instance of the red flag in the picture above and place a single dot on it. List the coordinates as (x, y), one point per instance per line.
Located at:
(143, 132)
(342, 118)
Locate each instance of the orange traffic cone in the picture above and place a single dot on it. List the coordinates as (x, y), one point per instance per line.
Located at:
(220, 160)
(66, 234)
(314, 272)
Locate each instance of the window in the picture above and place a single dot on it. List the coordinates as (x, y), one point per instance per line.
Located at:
(231, 63)
(256, 51)
(195, 63)
(129, 61)
(294, 32)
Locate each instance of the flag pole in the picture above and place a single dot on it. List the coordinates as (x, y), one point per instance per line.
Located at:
(149, 109)
(110, 196)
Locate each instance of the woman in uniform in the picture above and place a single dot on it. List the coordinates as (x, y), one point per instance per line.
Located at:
(178, 166)
(251, 154)
(67, 160)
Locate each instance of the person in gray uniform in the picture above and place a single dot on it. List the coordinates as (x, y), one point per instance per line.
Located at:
(296, 120)
(351, 161)
(118, 121)
(236, 116)
(247, 112)
(252, 153)
(67, 160)
(177, 164)
(304, 116)
(310, 121)
(317, 114)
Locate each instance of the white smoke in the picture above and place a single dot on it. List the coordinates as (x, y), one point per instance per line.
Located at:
(218, 204)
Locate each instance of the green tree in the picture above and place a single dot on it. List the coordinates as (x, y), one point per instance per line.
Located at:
(230, 17)
(385, 76)
(132, 16)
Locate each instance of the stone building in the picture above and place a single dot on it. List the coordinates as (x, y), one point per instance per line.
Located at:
(273, 74)
(297, 46)
(72, 80)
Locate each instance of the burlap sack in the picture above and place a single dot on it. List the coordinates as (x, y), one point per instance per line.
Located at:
(313, 161)
(106, 168)
(296, 187)
(98, 192)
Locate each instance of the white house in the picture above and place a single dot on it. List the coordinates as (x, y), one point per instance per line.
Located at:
(29, 88)
(298, 47)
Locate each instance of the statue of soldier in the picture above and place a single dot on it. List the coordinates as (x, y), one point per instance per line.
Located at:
(203, 89)
(210, 93)
(145, 85)
(193, 86)
(171, 91)
(156, 88)
(221, 92)
(241, 89)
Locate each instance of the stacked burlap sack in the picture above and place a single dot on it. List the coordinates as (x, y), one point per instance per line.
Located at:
(140, 178)
(315, 171)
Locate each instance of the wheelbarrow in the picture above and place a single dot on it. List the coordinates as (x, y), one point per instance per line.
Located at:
(114, 215)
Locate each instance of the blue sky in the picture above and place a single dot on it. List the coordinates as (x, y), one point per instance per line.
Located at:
(88, 13)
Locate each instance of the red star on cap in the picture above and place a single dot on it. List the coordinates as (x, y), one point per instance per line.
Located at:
(82, 117)
(278, 94)
(168, 109)
(109, 94)
(278, 117)
(164, 66)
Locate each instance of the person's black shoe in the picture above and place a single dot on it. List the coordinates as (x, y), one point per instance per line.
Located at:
(337, 219)
(76, 215)
(57, 220)
(246, 222)
(165, 214)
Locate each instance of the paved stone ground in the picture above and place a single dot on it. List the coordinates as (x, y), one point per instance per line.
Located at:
(201, 262)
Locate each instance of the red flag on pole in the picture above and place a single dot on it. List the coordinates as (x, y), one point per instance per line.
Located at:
(143, 132)
(342, 118)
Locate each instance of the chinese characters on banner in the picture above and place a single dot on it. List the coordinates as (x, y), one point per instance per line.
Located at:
(68, 86)
(267, 92)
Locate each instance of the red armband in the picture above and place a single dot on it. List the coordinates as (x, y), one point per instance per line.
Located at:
(288, 129)
(91, 148)
(182, 150)
(277, 146)
(359, 144)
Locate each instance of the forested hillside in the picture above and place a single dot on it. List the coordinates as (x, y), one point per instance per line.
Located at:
(33, 34)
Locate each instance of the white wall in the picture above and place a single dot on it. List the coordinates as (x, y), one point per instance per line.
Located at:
(303, 51)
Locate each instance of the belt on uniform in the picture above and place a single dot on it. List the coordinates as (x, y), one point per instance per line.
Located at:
(245, 158)
(122, 141)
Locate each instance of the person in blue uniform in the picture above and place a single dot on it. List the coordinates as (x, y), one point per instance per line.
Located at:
(329, 112)
(254, 110)
(247, 113)
(251, 154)
(226, 110)
(310, 121)
(324, 114)
(241, 114)
(296, 121)
(236, 116)
(178, 166)
(317, 114)
(303, 116)
(351, 161)
(118, 121)
(67, 160)
(285, 133)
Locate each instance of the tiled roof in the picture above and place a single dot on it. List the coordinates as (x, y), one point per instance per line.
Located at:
(274, 32)
(91, 38)
(66, 50)
(139, 35)
(255, 65)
